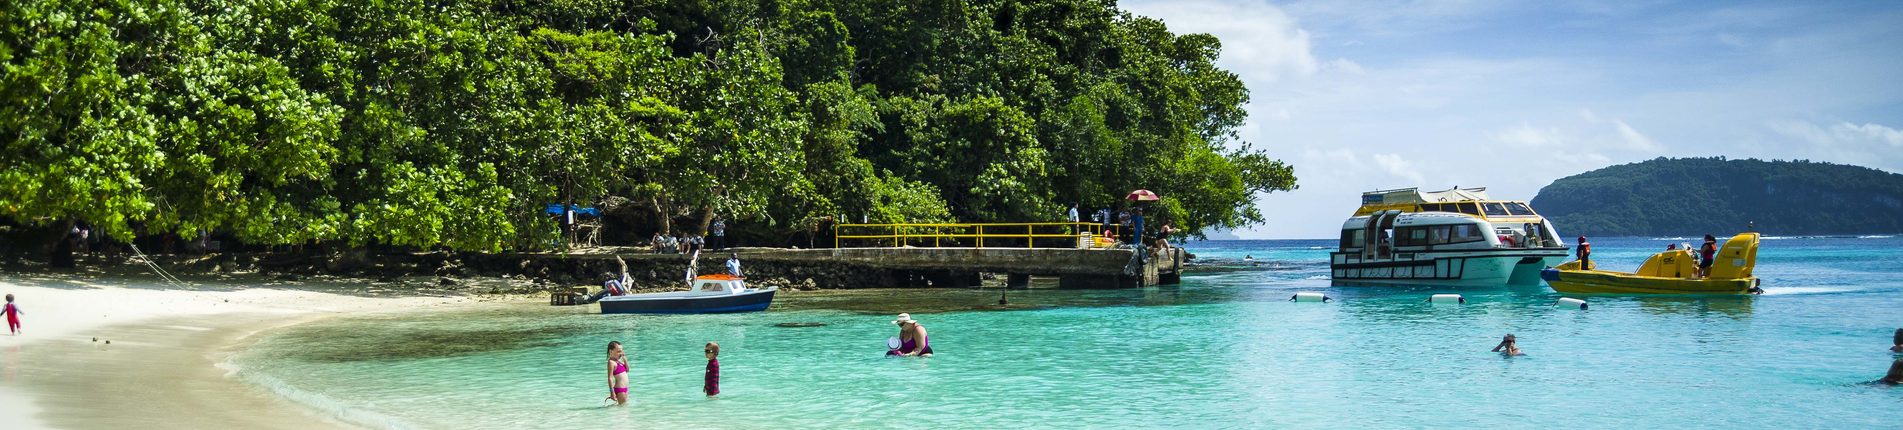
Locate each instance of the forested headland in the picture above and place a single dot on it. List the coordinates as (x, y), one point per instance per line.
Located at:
(452, 124)
(1696, 196)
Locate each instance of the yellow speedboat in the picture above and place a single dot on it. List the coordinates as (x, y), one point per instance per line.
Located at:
(1670, 272)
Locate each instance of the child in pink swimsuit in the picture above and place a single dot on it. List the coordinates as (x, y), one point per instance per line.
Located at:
(617, 374)
(13, 315)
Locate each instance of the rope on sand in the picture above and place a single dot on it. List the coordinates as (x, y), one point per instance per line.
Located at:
(167, 276)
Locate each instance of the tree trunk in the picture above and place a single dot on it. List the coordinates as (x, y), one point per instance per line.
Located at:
(61, 251)
(706, 218)
(661, 214)
(568, 204)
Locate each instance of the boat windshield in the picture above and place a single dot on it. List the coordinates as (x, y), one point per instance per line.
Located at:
(1518, 208)
(1469, 208)
(1495, 209)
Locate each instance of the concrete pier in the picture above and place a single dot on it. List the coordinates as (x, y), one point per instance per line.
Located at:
(959, 267)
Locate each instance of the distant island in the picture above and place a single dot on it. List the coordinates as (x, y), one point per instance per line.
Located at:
(1697, 196)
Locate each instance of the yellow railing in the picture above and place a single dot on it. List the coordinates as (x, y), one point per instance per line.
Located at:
(1054, 234)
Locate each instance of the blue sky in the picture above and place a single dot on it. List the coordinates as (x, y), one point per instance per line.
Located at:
(1366, 95)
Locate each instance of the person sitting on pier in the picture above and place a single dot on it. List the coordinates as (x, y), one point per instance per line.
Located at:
(615, 286)
(912, 340)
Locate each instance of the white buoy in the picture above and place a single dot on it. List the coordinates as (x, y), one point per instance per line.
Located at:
(1447, 298)
(1310, 297)
(1571, 303)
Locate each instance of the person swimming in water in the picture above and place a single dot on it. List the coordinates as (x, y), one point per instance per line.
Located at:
(1897, 340)
(1508, 346)
(912, 340)
(617, 374)
(1896, 374)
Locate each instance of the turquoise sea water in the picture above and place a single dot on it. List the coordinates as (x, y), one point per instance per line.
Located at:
(1225, 349)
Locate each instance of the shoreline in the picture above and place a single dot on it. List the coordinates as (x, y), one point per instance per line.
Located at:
(167, 364)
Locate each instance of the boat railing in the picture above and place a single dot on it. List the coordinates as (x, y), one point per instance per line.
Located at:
(973, 235)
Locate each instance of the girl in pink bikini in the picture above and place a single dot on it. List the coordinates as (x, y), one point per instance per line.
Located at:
(617, 374)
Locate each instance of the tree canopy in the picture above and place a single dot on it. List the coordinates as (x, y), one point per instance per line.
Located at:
(1698, 196)
(451, 124)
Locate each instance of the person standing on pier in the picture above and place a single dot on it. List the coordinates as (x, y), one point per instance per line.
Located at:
(1072, 216)
(1136, 227)
(718, 238)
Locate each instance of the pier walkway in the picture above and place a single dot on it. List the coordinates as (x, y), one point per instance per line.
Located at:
(954, 254)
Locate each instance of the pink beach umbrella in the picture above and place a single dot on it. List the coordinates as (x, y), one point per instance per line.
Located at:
(1141, 196)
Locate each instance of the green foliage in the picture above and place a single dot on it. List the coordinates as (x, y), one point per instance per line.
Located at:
(1697, 196)
(425, 124)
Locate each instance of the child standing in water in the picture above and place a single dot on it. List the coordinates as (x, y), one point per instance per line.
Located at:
(712, 385)
(617, 374)
(13, 316)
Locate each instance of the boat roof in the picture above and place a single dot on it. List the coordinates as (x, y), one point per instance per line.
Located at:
(718, 277)
(1415, 195)
(1416, 219)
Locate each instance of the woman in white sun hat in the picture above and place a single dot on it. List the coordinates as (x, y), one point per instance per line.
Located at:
(912, 340)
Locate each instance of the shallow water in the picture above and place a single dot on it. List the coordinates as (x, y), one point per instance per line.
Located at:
(1223, 350)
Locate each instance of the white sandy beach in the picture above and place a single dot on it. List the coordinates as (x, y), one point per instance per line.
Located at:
(161, 369)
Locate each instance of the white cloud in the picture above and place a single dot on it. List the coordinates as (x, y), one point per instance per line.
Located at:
(1591, 133)
(1346, 66)
(1526, 136)
(1841, 134)
(1633, 139)
(1259, 41)
(1399, 167)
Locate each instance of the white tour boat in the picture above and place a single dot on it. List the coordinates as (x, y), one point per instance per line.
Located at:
(1457, 237)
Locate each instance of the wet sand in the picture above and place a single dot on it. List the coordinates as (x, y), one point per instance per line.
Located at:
(162, 369)
(156, 374)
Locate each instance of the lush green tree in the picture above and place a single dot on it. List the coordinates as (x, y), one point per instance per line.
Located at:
(431, 124)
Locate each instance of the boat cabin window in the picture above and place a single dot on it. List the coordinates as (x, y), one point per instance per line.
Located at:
(1352, 238)
(1469, 208)
(1465, 233)
(1438, 235)
(1411, 236)
(713, 286)
(1494, 209)
(1436, 207)
(1518, 208)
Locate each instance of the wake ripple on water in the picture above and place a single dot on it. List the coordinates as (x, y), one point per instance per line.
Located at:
(331, 408)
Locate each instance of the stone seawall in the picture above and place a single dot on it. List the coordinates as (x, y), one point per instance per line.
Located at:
(764, 267)
(651, 272)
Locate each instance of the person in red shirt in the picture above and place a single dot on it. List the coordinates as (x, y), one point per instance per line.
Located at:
(13, 316)
(1585, 254)
(1705, 253)
(712, 384)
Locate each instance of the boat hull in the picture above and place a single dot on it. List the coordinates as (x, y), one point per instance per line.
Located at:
(1474, 268)
(753, 301)
(1601, 282)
